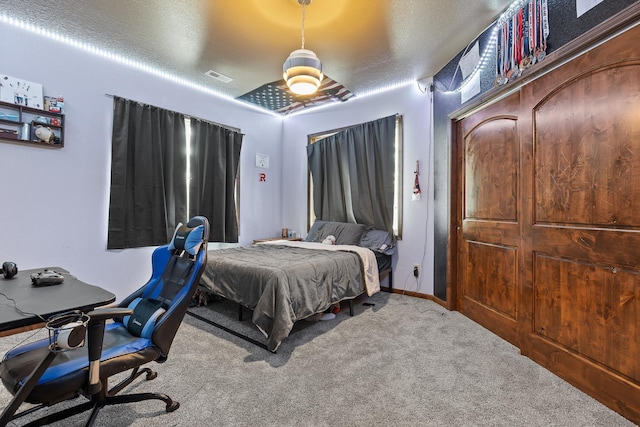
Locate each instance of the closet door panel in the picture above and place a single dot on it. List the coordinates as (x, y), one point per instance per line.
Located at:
(586, 150)
(489, 238)
(581, 263)
(590, 310)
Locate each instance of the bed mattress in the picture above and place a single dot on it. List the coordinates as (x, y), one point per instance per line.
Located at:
(283, 282)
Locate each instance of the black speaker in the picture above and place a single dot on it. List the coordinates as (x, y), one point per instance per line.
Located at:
(9, 269)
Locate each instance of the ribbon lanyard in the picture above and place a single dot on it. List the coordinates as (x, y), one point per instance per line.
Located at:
(521, 40)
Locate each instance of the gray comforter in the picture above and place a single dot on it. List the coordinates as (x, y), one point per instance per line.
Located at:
(283, 284)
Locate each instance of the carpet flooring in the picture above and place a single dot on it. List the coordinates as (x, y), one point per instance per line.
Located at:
(401, 362)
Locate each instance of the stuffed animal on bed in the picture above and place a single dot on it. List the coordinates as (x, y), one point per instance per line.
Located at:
(329, 240)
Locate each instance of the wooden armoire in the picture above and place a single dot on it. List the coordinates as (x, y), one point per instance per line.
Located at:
(547, 227)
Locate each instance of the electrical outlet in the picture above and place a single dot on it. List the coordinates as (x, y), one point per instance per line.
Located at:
(416, 270)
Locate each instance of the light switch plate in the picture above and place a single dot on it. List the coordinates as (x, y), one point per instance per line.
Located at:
(262, 161)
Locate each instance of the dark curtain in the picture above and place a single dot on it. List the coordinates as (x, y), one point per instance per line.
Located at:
(148, 169)
(214, 169)
(352, 173)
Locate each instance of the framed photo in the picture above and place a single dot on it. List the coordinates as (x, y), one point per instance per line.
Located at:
(21, 92)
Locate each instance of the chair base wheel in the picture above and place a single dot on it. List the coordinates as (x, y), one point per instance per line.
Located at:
(172, 406)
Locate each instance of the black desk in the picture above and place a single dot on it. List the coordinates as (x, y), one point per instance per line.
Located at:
(72, 294)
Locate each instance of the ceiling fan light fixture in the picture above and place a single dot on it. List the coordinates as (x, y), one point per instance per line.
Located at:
(303, 72)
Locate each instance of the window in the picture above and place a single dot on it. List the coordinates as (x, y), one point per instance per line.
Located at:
(355, 174)
(188, 173)
(153, 152)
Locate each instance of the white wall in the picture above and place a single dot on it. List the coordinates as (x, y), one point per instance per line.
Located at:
(54, 202)
(416, 246)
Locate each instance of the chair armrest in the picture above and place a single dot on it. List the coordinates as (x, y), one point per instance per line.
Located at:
(95, 336)
(108, 313)
(95, 331)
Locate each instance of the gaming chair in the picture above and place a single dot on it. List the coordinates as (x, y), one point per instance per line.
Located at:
(53, 370)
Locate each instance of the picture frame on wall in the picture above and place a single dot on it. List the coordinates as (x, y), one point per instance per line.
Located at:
(21, 92)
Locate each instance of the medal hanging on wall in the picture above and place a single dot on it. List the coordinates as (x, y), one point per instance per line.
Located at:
(521, 41)
(533, 31)
(542, 29)
(525, 62)
(501, 49)
(509, 56)
(514, 70)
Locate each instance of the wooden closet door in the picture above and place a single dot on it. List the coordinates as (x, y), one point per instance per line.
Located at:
(489, 217)
(581, 291)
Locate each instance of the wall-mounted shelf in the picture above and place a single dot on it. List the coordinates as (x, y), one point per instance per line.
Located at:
(18, 125)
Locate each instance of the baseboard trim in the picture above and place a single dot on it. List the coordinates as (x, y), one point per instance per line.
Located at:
(429, 297)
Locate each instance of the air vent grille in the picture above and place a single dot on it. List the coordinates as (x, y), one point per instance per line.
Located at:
(218, 76)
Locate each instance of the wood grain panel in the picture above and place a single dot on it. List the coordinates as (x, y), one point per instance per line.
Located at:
(489, 237)
(585, 181)
(499, 233)
(561, 280)
(490, 277)
(587, 149)
(491, 153)
(606, 245)
(590, 309)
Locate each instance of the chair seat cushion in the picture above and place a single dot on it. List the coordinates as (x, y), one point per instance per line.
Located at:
(70, 369)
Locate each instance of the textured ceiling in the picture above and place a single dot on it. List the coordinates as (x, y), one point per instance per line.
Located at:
(364, 45)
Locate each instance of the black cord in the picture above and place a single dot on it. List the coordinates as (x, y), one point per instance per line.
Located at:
(21, 342)
(24, 313)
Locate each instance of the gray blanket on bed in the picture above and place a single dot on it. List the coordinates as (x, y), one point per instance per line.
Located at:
(283, 284)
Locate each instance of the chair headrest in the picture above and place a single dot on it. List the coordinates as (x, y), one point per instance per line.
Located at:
(200, 220)
(187, 238)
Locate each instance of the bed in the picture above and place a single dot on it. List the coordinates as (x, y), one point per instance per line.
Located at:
(286, 281)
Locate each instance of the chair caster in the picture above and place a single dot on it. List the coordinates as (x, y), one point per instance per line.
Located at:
(151, 375)
(172, 406)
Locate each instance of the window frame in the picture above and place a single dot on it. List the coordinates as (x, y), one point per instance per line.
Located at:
(398, 176)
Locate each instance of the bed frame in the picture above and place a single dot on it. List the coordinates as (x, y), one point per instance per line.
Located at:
(383, 274)
(229, 270)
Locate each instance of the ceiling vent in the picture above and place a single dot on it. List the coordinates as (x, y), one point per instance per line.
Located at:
(218, 76)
